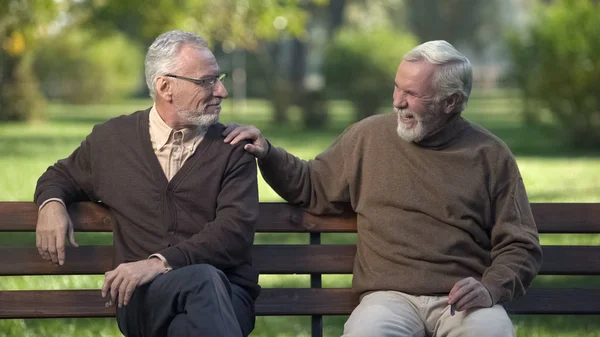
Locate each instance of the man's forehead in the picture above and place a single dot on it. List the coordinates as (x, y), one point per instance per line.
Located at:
(200, 61)
(417, 72)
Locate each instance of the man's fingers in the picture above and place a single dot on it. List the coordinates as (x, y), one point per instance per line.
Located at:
(255, 150)
(114, 288)
(71, 234)
(231, 134)
(52, 249)
(459, 285)
(229, 127)
(122, 291)
(60, 249)
(108, 278)
(128, 292)
(38, 243)
(459, 293)
(467, 301)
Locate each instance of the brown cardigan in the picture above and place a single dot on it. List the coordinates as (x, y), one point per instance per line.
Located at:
(205, 214)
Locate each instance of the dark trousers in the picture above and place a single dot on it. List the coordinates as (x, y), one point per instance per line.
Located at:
(196, 300)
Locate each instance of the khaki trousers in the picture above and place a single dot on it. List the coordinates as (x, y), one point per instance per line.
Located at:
(396, 314)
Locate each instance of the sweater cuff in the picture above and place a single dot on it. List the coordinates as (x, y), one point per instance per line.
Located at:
(497, 293)
(50, 193)
(47, 201)
(274, 155)
(175, 257)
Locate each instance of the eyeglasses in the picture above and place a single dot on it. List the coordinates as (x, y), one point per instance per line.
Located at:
(206, 82)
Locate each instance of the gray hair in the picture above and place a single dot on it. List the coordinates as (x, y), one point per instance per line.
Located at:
(161, 57)
(455, 74)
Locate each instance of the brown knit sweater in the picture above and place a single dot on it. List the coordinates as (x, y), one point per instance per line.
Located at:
(205, 214)
(429, 214)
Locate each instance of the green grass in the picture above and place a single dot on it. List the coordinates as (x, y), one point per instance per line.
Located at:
(551, 171)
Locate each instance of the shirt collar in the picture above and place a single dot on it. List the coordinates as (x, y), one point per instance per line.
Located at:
(159, 130)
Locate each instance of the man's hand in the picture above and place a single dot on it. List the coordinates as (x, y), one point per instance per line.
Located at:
(53, 227)
(122, 281)
(235, 133)
(469, 293)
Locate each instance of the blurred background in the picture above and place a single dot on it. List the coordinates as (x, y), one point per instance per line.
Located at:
(302, 71)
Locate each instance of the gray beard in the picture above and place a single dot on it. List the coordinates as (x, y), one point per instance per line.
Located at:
(201, 120)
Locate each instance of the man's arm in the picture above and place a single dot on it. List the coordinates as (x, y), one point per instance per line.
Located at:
(319, 185)
(516, 252)
(67, 181)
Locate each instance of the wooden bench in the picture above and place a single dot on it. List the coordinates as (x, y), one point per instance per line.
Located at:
(313, 258)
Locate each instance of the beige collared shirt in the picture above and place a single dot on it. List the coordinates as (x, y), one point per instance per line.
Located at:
(172, 147)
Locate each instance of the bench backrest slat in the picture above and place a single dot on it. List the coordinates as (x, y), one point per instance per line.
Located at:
(278, 217)
(280, 302)
(276, 259)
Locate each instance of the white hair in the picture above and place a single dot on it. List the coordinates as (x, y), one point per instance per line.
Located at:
(162, 56)
(455, 74)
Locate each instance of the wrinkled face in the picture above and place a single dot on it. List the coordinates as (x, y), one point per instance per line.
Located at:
(419, 113)
(198, 105)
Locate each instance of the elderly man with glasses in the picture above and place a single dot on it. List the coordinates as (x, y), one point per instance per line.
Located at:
(184, 203)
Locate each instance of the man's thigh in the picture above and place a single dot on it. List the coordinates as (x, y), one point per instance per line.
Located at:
(482, 322)
(384, 314)
(155, 305)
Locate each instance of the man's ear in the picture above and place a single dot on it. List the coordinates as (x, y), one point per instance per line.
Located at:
(164, 88)
(452, 102)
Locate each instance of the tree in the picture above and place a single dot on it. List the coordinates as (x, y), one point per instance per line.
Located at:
(22, 23)
(472, 22)
(557, 68)
(250, 25)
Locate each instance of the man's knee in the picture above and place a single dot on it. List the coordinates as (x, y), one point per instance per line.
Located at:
(378, 320)
(486, 322)
(201, 273)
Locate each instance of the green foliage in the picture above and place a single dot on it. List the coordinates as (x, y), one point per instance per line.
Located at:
(236, 23)
(20, 97)
(79, 67)
(22, 23)
(360, 67)
(557, 68)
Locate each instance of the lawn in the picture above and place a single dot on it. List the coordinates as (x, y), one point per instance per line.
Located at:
(551, 171)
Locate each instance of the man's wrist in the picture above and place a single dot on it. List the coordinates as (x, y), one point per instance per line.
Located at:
(162, 261)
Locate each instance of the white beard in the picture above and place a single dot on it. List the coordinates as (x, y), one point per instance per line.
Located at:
(422, 128)
(200, 119)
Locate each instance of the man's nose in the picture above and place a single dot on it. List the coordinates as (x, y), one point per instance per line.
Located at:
(219, 90)
(400, 100)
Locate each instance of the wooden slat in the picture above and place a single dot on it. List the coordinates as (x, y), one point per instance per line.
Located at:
(79, 261)
(558, 301)
(567, 217)
(281, 217)
(280, 302)
(22, 217)
(276, 259)
(53, 304)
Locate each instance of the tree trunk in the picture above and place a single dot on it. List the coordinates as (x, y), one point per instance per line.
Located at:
(20, 96)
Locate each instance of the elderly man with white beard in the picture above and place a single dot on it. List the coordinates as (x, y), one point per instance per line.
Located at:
(445, 230)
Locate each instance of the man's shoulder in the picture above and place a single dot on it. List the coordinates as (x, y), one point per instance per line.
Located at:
(483, 138)
(235, 152)
(367, 126)
(124, 123)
